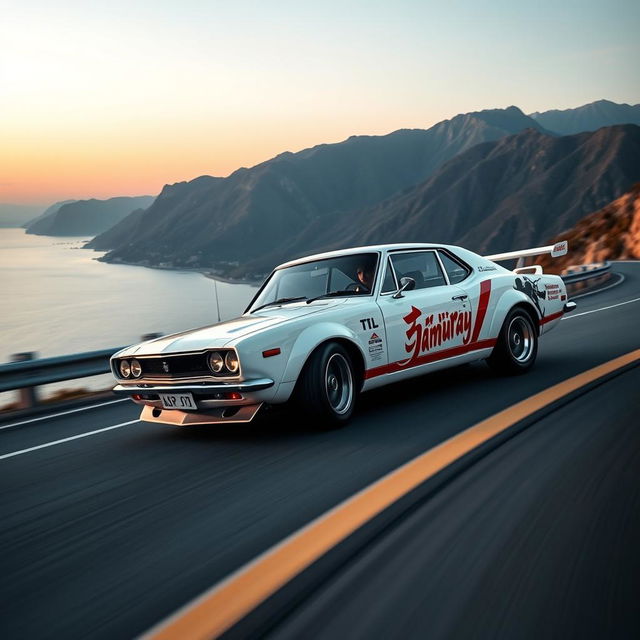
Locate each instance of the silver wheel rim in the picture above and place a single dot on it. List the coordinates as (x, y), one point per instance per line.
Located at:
(338, 383)
(521, 339)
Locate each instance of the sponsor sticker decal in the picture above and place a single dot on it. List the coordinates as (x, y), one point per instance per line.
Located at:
(376, 348)
(553, 291)
(560, 249)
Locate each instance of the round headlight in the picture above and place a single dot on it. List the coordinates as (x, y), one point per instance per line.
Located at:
(216, 362)
(125, 369)
(136, 369)
(231, 361)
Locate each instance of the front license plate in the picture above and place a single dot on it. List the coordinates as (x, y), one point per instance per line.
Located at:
(177, 401)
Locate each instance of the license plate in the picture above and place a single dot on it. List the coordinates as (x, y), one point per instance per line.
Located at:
(177, 401)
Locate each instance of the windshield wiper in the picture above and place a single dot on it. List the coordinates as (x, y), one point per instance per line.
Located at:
(279, 301)
(334, 294)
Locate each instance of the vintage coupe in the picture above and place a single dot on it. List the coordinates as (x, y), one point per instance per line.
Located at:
(324, 328)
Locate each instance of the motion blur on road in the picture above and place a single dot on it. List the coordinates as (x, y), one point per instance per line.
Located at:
(110, 525)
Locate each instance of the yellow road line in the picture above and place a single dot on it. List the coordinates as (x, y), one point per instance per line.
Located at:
(225, 604)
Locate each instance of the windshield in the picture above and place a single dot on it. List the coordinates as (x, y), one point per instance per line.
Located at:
(351, 275)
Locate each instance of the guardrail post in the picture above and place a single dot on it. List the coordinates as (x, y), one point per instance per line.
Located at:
(28, 395)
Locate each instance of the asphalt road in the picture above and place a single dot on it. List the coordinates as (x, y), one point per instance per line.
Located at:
(103, 536)
(539, 539)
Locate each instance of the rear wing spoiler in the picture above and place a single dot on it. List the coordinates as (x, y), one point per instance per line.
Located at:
(555, 250)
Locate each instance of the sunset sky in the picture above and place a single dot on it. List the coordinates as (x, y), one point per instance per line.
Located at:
(99, 99)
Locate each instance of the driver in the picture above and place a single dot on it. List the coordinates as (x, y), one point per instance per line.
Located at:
(364, 274)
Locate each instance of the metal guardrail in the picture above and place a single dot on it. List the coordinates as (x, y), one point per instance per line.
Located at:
(586, 272)
(583, 277)
(30, 372)
(26, 373)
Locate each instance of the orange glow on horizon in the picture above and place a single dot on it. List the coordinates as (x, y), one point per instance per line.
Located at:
(42, 168)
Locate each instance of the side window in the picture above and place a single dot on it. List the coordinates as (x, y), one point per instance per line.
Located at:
(389, 282)
(455, 271)
(421, 266)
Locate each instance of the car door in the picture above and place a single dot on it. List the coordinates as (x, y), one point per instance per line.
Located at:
(428, 323)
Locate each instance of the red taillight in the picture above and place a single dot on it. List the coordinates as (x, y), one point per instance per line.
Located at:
(271, 352)
(136, 396)
(234, 395)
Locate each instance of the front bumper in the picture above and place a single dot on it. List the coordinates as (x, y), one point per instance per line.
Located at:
(207, 395)
(214, 406)
(203, 390)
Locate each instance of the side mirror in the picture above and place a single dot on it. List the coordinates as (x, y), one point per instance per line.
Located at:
(406, 284)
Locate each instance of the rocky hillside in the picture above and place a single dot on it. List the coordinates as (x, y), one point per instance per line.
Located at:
(224, 222)
(86, 217)
(612, 233)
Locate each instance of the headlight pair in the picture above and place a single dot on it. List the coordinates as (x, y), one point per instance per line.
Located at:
(130, 368)
(223, 362)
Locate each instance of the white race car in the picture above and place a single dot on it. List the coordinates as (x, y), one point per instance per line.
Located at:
(325, 328)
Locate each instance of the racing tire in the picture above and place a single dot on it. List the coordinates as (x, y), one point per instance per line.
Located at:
(517, 346)
(327, 388)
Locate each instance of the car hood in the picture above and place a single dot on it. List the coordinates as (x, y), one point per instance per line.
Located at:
(218, 335)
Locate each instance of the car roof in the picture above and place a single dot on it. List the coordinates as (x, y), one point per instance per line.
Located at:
(365, 249)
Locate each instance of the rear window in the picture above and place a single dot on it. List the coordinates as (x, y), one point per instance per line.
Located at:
(456, 271)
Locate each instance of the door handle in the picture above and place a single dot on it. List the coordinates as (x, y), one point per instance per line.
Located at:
(464, 296)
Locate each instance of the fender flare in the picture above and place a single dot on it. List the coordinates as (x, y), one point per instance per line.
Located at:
(508, 300)
(309, 340)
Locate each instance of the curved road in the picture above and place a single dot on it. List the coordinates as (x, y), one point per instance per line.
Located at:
(104, 535)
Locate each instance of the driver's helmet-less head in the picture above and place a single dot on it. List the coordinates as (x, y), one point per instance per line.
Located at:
(364, 273)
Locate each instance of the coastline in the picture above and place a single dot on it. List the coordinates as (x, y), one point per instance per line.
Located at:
(69, 302)
(207, 273)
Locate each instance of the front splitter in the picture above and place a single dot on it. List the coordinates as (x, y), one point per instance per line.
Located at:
(221, 415)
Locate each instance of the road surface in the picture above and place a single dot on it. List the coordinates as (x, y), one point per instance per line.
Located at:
(110, 525)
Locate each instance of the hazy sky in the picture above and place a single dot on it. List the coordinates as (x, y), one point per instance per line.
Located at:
(118, 98)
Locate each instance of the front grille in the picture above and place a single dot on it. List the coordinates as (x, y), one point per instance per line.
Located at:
(171, 367)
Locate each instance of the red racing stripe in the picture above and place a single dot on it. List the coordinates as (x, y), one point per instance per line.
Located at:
(553, 316)
(392, 367)
(483, 304)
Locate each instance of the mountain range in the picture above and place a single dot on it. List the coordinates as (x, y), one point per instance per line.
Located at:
(490, 180)
(47, 212)
(590, 117)
(508, 194)
(225, 221)
(85, 217)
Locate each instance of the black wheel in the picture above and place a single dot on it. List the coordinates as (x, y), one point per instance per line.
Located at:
(517, 346)
(327, 388)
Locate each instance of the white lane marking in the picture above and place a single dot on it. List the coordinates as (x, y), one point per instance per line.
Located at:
(611, 306)
(62, 413)
(55, 442)
(593, 293)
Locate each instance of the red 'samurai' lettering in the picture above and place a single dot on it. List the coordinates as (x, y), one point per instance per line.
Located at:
(428, 332)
